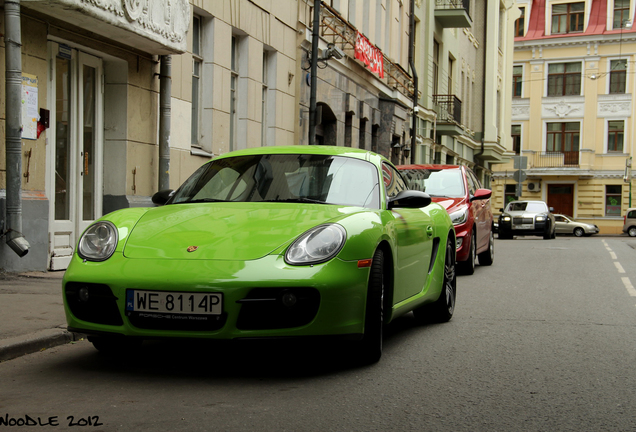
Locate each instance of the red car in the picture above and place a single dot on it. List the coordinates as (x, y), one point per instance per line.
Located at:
(457, 188)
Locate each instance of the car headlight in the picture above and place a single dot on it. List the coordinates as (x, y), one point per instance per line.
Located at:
(98, 242)
(460, 216)
(317, 245)
(506, 219)
(540, 218)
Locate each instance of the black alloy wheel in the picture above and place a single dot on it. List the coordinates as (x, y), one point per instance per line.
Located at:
(442, 309)
(369, 349)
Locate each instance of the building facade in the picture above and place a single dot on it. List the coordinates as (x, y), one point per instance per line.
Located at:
(464, 63)
(364, 95)
(573, 111)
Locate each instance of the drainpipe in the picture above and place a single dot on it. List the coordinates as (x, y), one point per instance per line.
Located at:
(314, 73)
(165, 90)
(13, 147)
(477, 155)
(415, 78)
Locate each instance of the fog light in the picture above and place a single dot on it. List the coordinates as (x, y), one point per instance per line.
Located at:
(83, 294)
(458, 243)
(289, 299)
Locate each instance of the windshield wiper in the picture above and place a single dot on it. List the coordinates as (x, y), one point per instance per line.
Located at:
(299, 200)
(202, 200)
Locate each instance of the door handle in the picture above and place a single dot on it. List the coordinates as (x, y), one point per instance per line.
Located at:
(429, 231)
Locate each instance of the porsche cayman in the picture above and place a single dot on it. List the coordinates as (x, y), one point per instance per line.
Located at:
(272, 242)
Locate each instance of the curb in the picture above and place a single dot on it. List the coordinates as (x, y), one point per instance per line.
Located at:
(12, 348)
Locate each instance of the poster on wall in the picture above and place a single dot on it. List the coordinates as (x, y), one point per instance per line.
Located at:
(29, 106)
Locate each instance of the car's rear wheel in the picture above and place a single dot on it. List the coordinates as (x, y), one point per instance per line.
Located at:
(632, 231)
(369, 349)
(115, 345)
(442, 309)
(468, 267)
(488, 256)
(579, 232)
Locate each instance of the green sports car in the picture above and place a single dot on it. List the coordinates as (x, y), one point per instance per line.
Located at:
(271, 242)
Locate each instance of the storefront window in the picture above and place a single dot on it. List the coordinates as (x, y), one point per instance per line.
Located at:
(613, 196)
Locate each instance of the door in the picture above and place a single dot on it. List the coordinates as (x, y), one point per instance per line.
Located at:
(561, 198)
(75, 159)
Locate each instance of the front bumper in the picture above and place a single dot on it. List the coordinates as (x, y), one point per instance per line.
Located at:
(535, 228)
(332, 297)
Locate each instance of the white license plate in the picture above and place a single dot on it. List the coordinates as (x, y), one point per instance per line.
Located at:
(522, 227)
(174, 302)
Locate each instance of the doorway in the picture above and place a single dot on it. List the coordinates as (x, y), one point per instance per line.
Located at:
(75, 157)
(561, 198)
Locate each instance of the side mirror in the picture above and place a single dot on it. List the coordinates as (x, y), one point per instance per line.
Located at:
(410, 199)
(481, 194)
(551, 209)
(162, 197)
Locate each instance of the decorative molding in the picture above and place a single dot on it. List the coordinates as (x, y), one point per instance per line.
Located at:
(562, 107)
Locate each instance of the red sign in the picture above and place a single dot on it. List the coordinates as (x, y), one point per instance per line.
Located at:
(369, 54)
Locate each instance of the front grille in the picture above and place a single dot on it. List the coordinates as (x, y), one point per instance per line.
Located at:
(522, 221)
(276, 308)
(94, 303)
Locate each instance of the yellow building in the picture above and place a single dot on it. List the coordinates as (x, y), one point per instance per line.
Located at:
(572, 112)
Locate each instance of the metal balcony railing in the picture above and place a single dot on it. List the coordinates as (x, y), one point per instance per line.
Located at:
(453, 4)
(450, 108)
(564, 159)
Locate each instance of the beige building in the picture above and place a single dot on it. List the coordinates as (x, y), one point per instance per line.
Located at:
(464, 62)
(572, 110)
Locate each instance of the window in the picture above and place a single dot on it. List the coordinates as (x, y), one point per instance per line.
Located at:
(567, 17)
(618, 75)
(435, 66)
(516, 138)
(233, 92)
(517, 79)
(197, 66)
(450, 76)
(615, 134)
(621, 13)
(520, 23)
(393, 182)
(510, 193)
(613, 197)
(564, 79)
(564, 138)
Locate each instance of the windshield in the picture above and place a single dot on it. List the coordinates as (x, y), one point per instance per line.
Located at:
(436, 182)
(533, 207)
(284, 178)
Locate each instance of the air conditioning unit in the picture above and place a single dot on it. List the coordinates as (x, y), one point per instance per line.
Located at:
(534, 186)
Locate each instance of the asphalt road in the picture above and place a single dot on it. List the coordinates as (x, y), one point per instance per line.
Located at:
(543, 340)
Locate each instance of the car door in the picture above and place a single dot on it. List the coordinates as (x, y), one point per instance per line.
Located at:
(561, 224)
(481, 212)
(412, 230)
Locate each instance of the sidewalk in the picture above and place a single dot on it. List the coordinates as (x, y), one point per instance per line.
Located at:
(31, 314)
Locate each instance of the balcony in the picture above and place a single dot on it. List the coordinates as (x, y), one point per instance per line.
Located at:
(449, 114)
(565, 159)
(453, 13)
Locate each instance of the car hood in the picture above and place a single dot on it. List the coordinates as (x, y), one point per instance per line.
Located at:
(223, 231)
(526, 214)
(448, 203)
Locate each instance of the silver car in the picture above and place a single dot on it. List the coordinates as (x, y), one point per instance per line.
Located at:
(629, 226)
(566, 225)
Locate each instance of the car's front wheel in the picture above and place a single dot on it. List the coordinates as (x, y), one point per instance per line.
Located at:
(369, 349)
(442, 309)
(632, 231)
(579, 232)
(488, 256)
